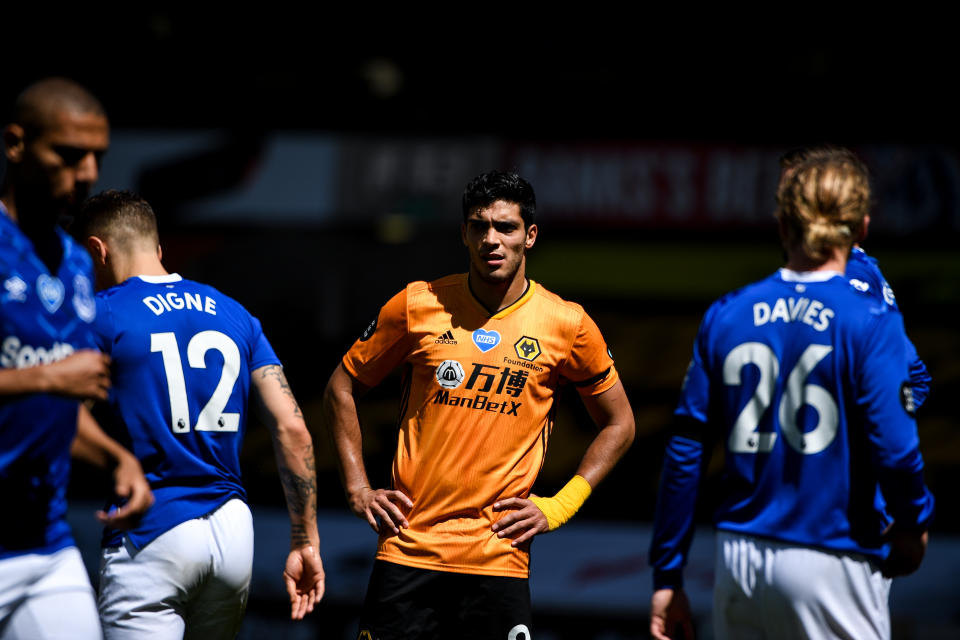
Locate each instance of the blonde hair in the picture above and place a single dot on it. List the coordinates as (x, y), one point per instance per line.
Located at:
(822, 205)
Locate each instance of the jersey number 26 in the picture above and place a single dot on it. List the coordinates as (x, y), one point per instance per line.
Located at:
(745, 437)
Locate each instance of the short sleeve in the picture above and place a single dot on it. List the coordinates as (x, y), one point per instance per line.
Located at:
(590, 365)
(383, 345)
(262, 353)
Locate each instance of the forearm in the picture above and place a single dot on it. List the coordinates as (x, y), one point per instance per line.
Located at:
(604, 452)
(674, 516)
(29, 380)
(296, 465)
(343, 424)
(92, 445)
(909, 500)
(611, 411)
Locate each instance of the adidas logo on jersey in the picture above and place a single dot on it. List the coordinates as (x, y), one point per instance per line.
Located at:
(446, 338)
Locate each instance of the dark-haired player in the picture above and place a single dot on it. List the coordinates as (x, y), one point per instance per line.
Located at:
(186, 361)
(483, 355)
(48, 363)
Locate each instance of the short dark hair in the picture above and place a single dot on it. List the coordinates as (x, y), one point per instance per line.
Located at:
(123, 217)
(491, 186)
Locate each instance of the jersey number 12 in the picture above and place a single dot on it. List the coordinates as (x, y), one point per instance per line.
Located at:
(212, 417)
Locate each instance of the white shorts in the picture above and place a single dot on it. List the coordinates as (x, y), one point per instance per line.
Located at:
(47, 596)
(768, 589)
(192, 581)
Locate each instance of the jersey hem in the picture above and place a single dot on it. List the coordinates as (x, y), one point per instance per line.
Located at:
(453, 568)
(873, 554)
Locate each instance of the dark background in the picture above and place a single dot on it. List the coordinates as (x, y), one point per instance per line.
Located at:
(548, 75)
(785, 76)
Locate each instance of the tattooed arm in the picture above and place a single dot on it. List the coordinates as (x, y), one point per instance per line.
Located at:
(293, 447)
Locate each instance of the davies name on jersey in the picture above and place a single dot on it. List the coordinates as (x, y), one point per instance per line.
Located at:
(810, 312)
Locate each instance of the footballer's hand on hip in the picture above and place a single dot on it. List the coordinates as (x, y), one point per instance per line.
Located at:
(522, 520)
(383, 509)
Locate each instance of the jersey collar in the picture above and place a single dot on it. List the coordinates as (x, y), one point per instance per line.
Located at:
(788, 275)
(170, 277)
(503, 313)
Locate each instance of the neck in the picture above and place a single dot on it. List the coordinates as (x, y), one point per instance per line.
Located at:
(797, 260)
(41, 232)
(138, 264)
(495, 296)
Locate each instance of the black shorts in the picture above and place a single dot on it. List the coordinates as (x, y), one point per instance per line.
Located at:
(404, 603)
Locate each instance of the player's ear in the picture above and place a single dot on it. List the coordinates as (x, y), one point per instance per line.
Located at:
(13, 142)
(159, 253)
(531, 236)
(463, 234)
(98, 250)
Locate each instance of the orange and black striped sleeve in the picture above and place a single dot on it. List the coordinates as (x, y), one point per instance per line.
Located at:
(589, 365)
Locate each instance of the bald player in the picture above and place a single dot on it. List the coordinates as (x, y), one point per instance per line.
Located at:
(484, 354)
(48, 364)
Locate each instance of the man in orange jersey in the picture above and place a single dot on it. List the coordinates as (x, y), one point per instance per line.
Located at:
(483, 354)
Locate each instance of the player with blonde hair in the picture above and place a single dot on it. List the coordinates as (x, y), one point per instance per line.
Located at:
(804, 379)
(862, 270)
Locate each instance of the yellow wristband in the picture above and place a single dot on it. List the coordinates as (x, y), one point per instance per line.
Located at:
(568, 500)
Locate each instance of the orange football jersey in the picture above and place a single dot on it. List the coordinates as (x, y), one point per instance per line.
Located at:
(476, 411)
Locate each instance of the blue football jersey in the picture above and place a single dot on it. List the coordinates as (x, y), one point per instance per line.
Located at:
(864, 274)
(182, 357)
(804, 380)
(44, 317)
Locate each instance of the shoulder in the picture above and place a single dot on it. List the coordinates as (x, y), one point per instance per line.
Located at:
(864, 274)
(546, 298)
(745, 295)
(420, 293)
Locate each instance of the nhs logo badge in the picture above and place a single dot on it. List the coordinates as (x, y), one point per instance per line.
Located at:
(485, 340)
(50, 290)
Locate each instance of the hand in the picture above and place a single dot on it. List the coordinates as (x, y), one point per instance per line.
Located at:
(522, 523)
(129, 483)
(382, 509)
(304, 578)
(907, 549)
(670, 617)
(83, 374)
